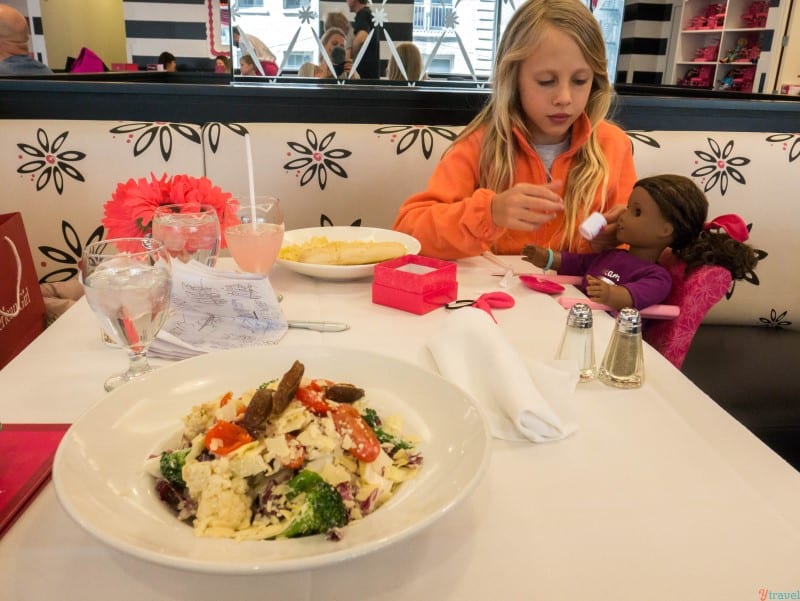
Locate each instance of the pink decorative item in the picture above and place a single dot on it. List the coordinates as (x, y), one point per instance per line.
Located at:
(695, 295)
(541, 285)
(129, 213)
(415, 284)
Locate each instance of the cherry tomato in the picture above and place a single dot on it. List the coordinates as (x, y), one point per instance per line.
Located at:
(298, 456)
(320, 384)
(349, 422)
(226, 437)
(313, 400)
(225, 399)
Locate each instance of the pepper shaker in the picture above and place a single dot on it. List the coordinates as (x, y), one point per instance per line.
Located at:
(577, 341)
(623, 364)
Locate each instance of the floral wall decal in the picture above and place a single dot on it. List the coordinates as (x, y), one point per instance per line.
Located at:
(70, 256)
(790, 142)
(213, 131)
(325, 221)
(144, 134)
(49, 161)
(413, 133)
(317, 158)
(643, 138)
(720, 166)
(775, 320)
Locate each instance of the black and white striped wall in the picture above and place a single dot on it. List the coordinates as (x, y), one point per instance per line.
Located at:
(644, 42)
(176, 26)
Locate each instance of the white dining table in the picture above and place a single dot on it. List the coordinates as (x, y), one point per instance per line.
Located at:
(659, 495)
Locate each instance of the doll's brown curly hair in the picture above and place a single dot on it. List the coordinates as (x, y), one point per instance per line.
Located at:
(685, 206)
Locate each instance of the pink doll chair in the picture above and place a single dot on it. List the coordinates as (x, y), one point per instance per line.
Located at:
(694, 295)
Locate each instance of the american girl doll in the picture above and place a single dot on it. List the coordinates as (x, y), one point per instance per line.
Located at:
(540, 156)
(664, 211)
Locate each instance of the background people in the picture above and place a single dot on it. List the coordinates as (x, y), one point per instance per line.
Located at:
(167, 60)
(369, 66)
(540, 157)
(14, 52)
(333, 41)
(247, 66)
(269, 62)
(222, 64)
(340, 21)
(411, 58)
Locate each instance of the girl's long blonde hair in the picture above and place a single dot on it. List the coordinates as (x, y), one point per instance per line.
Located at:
(504, 111)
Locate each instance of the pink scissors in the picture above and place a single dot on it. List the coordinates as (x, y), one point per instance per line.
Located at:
(487, 302)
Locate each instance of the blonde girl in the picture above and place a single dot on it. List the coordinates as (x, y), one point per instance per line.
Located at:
(540, 156)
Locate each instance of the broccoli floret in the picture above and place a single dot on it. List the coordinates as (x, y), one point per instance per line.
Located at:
(371, 417)
(171, 466)
(322, 510)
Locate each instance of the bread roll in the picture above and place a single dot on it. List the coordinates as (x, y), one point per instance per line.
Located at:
(351, 253)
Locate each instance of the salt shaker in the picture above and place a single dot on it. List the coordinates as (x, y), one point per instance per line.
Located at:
(578, 341)
(592, 225)
(623, 364)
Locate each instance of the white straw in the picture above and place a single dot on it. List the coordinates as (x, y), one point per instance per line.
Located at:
(250, 180)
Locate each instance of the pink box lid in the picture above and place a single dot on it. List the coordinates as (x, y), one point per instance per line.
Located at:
(415, 273)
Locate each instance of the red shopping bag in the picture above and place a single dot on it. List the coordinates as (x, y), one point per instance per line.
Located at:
(22, 312)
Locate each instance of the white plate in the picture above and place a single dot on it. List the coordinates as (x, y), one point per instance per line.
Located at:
(343, 272)
(99, 478)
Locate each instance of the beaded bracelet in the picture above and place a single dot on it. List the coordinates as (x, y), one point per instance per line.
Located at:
(550, 257)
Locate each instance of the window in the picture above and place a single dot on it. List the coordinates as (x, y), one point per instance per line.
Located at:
(296, 59)
(250, 3)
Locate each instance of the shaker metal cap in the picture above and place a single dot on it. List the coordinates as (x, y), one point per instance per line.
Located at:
(629, 321)
(580, 316)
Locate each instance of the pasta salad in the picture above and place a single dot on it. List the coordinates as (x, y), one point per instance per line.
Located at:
(294, 457)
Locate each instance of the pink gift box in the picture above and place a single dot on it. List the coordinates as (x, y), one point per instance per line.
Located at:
(414, 284)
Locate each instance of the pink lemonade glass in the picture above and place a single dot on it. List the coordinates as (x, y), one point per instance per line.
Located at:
(188, 231)
(255, 239)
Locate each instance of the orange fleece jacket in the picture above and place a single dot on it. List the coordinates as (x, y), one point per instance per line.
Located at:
(453, 219)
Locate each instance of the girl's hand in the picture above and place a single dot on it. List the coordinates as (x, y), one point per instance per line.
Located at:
(525, 207)
(607, 238)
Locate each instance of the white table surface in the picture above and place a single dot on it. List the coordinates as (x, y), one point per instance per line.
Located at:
(659, 495)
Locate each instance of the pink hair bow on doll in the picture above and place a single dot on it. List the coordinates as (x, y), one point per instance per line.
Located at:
(733, 225)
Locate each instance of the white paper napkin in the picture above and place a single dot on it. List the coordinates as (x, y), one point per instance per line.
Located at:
(472, 352)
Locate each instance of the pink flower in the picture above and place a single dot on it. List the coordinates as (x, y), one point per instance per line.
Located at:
(129, 213)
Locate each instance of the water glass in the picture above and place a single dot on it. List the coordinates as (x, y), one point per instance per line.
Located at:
(255, 238)
(189, 231)
(127, 282)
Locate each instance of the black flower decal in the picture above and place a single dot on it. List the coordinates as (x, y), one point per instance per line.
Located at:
(50, 161)
(70, 256)
(317, 158)
(212, 132)
(145, 133)
(643, 138)
(790, 142)
(325, 221)
(412, 133)
(774, 320)
(721, 166)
